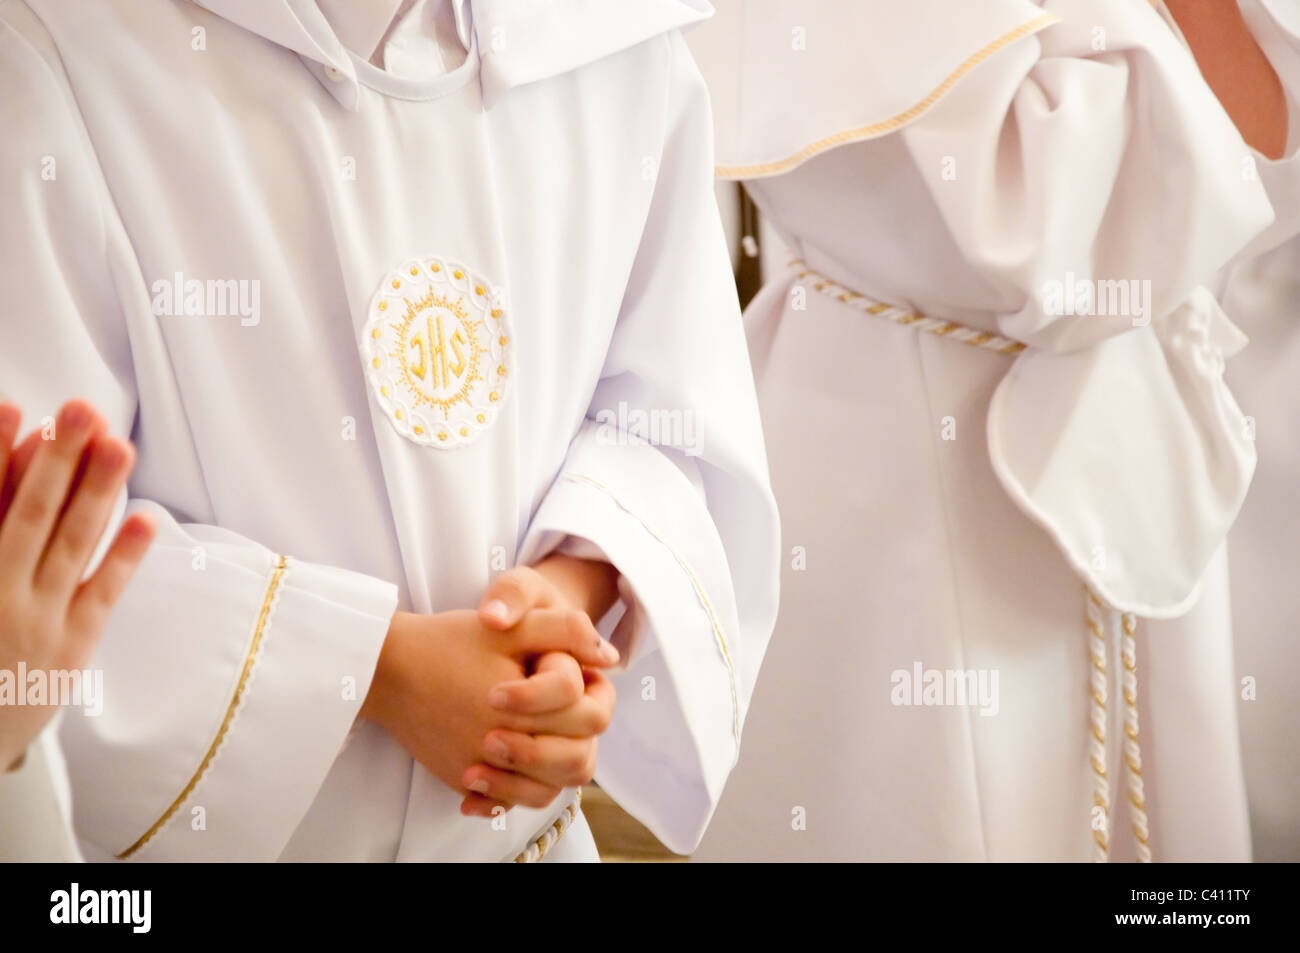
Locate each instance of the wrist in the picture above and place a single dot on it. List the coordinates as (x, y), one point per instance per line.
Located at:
(378, 703)
(586, 584)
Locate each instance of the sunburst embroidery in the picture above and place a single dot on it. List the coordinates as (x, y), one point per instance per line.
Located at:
(436, 348)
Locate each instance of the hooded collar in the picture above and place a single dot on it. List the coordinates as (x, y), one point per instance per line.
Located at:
(790, 81)
(524, 42)
(512, 42)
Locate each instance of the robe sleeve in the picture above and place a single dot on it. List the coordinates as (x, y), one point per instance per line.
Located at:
(1094, 154)
(35, 811)
(225, 665)
(667, 479)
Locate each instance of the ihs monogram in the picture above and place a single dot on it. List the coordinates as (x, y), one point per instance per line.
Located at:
(439, 346)
(439, 371)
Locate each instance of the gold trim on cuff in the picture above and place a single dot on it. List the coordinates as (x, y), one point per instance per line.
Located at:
(720, 638)
(235, 699)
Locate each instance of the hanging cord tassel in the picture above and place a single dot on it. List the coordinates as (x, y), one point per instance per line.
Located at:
(1097, 744)
(1132, 752)
(1099, 616)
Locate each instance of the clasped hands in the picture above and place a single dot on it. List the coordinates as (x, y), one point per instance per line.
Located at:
(504, 704)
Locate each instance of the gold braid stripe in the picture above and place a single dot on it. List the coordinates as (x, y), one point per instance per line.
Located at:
(718, 635)
(238, 696)
(886, 125)
(937, 326)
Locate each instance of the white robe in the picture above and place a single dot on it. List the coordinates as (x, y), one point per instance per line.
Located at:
(944, 505)
(1264, 296)
(1261, 290)
(550, 200)
(36, 807)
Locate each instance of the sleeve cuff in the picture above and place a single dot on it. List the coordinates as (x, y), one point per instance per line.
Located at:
(675, 734)
(254, 734)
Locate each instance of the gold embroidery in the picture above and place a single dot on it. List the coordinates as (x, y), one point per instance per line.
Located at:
(444, 363)
(434, 379)
(236, 698)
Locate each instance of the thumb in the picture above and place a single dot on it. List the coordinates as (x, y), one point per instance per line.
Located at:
(511, 595)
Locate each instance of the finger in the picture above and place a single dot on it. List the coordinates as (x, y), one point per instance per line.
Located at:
(556, 685)
(508, 787)
(589, 717)
(561, 630)
(11, 419)
(44, 487)
(476, 805)
(98, 430)
(546, 759)
(19, 460)
(84, 519)
(512, 594)
(98, 594)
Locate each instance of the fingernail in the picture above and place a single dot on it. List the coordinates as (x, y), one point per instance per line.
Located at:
(497, 749)
(479, 787)
(496, 609)
(499, 698)
(607, 651)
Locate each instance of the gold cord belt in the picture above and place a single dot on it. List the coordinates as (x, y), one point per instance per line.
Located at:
(1098, 615)
(551, 836)
(905, 316)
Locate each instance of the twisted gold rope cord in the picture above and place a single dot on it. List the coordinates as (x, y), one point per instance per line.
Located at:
(551, 836)
(1132, 752)
(1093, 618)
(1098, 616)
(904, 316)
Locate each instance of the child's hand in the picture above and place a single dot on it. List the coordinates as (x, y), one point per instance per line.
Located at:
(56, 498)
(559, 708)
(557, 582)
(555, 716)
(435, 673)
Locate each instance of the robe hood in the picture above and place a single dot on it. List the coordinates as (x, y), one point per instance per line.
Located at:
(518, 41)
(791, 81)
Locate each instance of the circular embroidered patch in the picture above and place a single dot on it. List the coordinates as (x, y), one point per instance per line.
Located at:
(438, 352)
